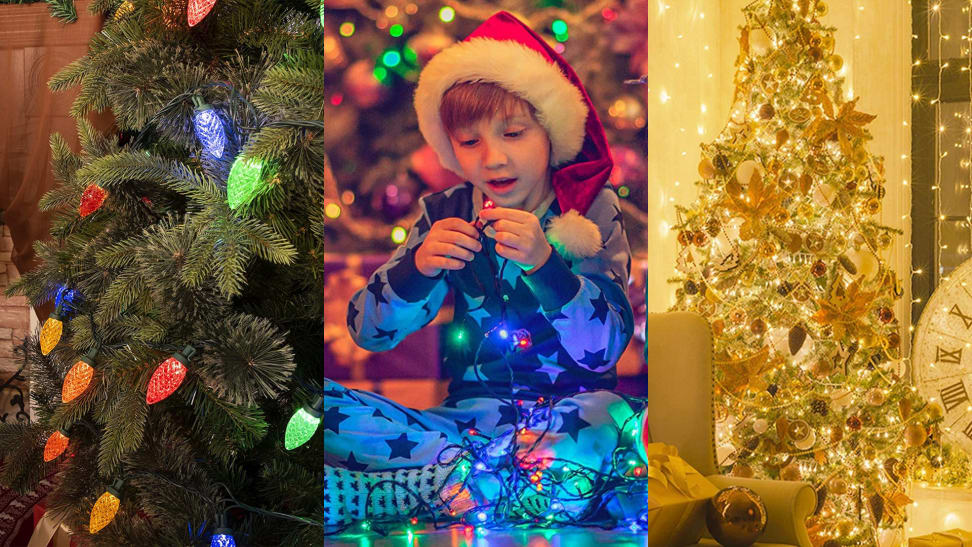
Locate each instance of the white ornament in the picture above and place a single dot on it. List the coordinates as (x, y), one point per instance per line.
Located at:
(760, 425)
(760, 42)
(807, 442)
(745, 171)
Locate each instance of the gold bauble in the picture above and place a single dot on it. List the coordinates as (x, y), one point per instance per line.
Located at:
(934, 411)
(766, 111)
(788, 181)
(822, 368)
(872, 206)
(827, 42)
(836, 62)
(838, 486)
(758, 327)
(875, 397)
(845, 526)
(735, 516)
(737, 316)
(821, 9)
(760, 41)
(798, 430)
(885, 240)
(791, 473)
(740, 469)
(745, 172)
(815, 53)
(781, 137)
(707, 169)
(915, 435)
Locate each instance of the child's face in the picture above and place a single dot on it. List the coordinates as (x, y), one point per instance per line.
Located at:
(506, 158)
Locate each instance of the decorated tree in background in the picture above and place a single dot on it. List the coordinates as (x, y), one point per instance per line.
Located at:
(176, 385)
(782, 253)
(378, 163)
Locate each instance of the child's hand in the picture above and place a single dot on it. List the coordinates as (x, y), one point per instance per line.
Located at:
(449, 240)
(519, 236)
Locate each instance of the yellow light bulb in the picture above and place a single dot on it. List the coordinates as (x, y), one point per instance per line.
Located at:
(50, 333)
(105, 508)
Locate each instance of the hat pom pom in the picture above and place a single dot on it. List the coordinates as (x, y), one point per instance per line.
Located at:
(574, 235)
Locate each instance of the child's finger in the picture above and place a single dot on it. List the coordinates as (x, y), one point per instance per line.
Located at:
(514, 215)
(509, 239)
(508, 252)
(449, 250)
(505, 225)
(444, 263)
(462, 240)
(459, 225)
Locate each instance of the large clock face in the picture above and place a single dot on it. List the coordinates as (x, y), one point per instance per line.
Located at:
(942, 354)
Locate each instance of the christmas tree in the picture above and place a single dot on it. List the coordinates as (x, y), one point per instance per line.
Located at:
(176, 385)
(782, 253)
(378, 163)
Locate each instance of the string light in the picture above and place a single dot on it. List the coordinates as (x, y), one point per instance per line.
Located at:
(168, 376)
(209, 128)
(245, 181)
(91, 199)
(303, 424)
(106, 507)
(78, 377)
(56, 444)
(50, 333)
(197, 10)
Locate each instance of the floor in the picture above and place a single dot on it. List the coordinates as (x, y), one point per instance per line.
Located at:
(470, 537)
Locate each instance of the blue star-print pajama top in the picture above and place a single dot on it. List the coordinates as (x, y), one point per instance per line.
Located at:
(578, 317)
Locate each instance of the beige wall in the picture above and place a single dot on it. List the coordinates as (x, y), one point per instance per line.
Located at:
(700, 36)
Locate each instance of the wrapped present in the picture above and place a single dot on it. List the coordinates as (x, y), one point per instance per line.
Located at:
(950, 538)
(668, 505)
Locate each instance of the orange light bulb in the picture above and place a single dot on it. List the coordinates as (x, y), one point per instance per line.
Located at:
(79, 377)
(56, 444)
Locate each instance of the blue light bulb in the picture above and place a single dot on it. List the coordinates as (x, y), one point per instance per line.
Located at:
(209, 128)
(222, 538)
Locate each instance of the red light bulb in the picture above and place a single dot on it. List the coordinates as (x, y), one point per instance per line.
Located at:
(197, 10)
(78, 377)
(56, 444)
(168, 376)
(91, 199)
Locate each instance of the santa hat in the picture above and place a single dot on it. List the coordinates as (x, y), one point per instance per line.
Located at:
(504, 51)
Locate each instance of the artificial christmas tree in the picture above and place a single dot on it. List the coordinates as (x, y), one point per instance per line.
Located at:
(164, 267)
(782, 254)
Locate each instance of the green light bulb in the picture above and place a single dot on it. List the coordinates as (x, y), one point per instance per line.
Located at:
(303, 424)
(245, 181)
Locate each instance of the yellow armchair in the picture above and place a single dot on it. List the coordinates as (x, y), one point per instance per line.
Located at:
(678, 353)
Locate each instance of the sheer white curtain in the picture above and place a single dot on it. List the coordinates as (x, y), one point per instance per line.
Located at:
(689, 85)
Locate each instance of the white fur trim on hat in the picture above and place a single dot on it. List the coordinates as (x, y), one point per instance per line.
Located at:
(574, 235)
(561, 108)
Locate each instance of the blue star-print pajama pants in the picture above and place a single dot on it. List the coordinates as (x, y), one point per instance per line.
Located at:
(364, 431)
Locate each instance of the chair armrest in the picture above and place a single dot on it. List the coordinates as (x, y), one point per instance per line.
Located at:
(788, 504)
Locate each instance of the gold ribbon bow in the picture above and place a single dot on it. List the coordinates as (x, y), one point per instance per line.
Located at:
(664, 465)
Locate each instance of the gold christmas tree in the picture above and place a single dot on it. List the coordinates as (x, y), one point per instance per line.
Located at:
(782, 253)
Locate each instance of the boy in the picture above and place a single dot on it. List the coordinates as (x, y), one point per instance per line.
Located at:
(543, 314)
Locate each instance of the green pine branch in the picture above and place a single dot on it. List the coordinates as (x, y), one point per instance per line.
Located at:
(63, 10)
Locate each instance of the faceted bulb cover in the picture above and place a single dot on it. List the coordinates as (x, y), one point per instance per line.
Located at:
(222, 540)
(50, 334)
(210, 131)
(76, 381)
(245, 181)
(300, 428)
(198, 10)
(165, 380)
(103, 512)
(56, 444)
(91, 199)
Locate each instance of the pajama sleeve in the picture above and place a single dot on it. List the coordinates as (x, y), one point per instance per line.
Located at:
(398, 300)
(586, 301)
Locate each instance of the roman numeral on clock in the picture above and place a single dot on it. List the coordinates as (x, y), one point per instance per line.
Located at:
(954, 395)
(958, 312)
(945, 356)
(968, 430)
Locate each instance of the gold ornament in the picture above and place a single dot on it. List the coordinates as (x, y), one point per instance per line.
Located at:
(760, 41)
(745, 373)
(781, 137)
(740, 469)
(758, 327)
(815, 243)
(735, 516)
(759, 201)
(875, 397)
(842, 308)
(845, 124)
(798, 430)
(822, 368)
(791, 473)
(836, 62)
(799, 115)
(934, 411)
(706, 169)
(766, 111)
(821, 9)
(915, 435)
